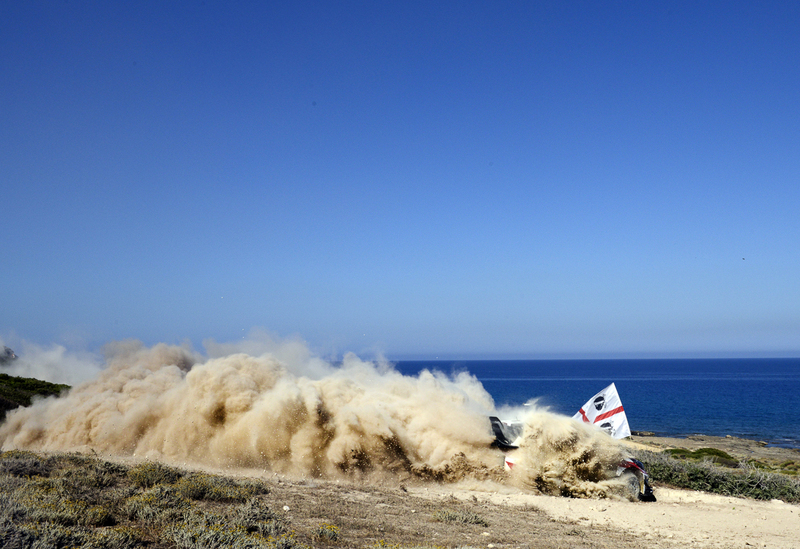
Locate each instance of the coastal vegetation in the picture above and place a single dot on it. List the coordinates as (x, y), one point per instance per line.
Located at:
(714, 471)
(66, 500)
(20, 391)
(715, 455)
(464, 517)
(69, 500)
(74, 500)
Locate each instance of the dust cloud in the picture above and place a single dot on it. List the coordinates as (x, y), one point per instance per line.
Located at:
(279, 408)
(561, 456)
(53, 363)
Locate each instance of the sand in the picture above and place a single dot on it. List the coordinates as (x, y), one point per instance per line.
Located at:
(689, 517)
(679, 518)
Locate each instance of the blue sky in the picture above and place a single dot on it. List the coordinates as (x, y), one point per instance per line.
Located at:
(420, 179)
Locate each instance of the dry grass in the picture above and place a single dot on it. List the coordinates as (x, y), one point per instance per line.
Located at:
(72, 500)
(459, 516)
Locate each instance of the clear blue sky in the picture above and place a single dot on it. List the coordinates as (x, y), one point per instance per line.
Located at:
(417, 178)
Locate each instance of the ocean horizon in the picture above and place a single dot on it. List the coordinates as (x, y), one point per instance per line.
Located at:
(754, 398)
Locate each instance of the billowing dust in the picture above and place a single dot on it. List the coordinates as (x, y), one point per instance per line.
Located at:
(287, 411)
(561, 456)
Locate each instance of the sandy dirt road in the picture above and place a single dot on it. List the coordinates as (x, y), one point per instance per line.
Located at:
(678, 518)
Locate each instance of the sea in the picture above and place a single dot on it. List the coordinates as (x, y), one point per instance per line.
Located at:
(755, 398)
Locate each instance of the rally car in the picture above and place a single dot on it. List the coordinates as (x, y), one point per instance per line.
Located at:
(635, 478)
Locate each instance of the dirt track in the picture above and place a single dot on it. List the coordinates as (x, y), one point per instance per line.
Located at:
(403, 513)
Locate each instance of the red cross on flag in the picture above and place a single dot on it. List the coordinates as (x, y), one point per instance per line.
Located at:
(605, 410)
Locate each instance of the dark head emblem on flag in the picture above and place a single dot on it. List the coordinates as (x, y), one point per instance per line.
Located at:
(599, 402)
(607, 427)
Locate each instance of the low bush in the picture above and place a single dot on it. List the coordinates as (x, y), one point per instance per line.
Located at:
(200, 486)
(114, 538)
(74, 500)
(45, 500)
(328, 533)
(20, 391)
(790, 467)
(159, 504)
(10, 508)
(209, 530)
(150, 473)
(47, 534)
(714, 455)
(463, 517)
(198, 529)
(95, 474)
(35, 534)
(21, 463)
(746, 481)
(255, 516)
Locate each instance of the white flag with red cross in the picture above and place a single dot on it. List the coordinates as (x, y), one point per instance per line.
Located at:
(605, 411)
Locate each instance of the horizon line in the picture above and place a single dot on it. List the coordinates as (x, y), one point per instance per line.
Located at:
(401, 357)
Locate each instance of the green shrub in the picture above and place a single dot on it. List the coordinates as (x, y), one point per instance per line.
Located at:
(209, 530)
(211, 536)
(47, 500)
(711, 454)
(45, 534)
(790, 467)
(9, 484)
(21, 463)
(98, 515)
(66, 513)
(12, 535)
(72, 500)
(160, 504)
(199, 529)
(254, 516)
(192, 486)
(114, 538)
(747, 481)
(150, 473)
(10, 508)
(286, 541)
(21, 390)
(327, 532)
(200, 486)
(94, 474)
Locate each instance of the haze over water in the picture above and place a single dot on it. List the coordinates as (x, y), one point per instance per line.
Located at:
(672, 397)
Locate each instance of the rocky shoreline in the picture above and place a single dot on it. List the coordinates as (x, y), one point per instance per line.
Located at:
(740, 448)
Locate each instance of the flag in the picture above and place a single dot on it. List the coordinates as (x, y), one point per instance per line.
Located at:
(605, 410)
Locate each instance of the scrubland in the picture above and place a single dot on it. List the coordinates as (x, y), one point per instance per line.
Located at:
(75, 500)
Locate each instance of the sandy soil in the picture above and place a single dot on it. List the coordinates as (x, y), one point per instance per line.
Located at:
(678, 518)
(404, 512)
